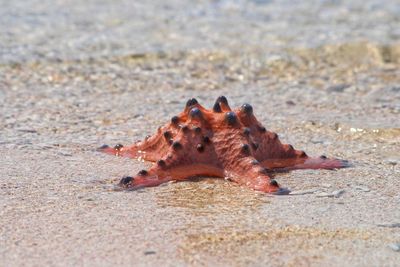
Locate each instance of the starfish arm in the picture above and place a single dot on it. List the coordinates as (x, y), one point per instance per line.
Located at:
(157, 175)
(305, 163)
(149, 149)
(190, 154)
(265, 144)
(236, 155)
(158, 144)
(268, 149)
(249, 172)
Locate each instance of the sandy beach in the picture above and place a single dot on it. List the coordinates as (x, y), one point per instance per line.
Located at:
(324, 75)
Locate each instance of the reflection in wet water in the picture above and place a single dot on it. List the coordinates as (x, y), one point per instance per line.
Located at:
(275, 245)
(211, 196)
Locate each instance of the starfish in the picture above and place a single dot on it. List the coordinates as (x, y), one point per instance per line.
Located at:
(220, 142)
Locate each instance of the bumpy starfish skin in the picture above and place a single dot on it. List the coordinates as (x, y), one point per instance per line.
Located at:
(219, 142)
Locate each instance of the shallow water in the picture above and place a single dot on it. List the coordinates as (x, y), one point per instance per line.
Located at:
(67, 29)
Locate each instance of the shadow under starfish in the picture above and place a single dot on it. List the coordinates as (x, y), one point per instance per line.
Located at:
(220, 142)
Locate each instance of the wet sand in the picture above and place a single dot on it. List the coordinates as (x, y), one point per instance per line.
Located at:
(63, 95)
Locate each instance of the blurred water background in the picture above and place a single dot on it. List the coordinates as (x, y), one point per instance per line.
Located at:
(34, 30)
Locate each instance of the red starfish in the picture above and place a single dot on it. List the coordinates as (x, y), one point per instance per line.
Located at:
(221, 142)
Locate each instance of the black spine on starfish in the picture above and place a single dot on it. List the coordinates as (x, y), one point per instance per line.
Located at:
(231, 118)
(167, 135)
(197, 130)
(118, 147)
(195, 113)
(175, 120)
(185, 128)
(247, 109)
(161, 163)
(262, 129)
(191, 102)
(246, 149)
(126, 180)
(246, 131)
(254, 146)
(217, 107)
(222, 99)
(176, 145)
(200, 148)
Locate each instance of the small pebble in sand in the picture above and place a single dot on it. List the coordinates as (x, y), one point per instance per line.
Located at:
(390, 225)
(65, 154)
(395, 246)
(338, 88)
(336, 193)
(362, 188)
(392, 162)
(304, 192)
